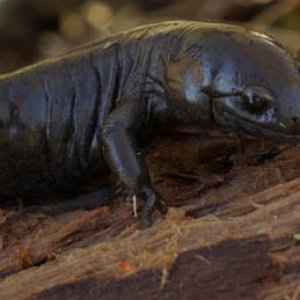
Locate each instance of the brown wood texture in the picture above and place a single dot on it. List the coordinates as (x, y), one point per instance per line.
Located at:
(229, 234)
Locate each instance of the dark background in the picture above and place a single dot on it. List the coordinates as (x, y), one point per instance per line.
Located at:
(31, 30)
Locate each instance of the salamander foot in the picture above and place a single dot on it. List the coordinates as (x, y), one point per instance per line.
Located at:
(152, 199)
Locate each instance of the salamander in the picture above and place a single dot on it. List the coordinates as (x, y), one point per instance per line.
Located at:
(65, 119)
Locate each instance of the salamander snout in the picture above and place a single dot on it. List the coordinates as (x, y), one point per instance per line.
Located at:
(291, 125)
(288, 110)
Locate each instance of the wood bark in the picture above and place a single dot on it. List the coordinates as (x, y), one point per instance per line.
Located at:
(231, 232)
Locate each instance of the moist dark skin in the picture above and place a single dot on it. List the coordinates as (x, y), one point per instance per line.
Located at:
(63, 120)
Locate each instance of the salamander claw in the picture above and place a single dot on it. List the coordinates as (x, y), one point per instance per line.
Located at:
(161, 206)
(152, 199)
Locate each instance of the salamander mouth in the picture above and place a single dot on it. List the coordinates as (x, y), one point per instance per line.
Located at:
(241, 125)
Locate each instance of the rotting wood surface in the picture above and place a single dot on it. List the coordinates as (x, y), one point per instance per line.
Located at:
(234, 209)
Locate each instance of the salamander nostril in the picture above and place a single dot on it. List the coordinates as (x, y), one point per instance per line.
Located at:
(295, 119)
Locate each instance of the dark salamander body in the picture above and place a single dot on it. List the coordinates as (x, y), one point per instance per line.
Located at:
(63, 119)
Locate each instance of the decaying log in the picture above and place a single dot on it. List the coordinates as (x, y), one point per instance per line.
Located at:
(231, 232)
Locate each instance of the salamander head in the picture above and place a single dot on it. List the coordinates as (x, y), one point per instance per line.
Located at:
(262, 98)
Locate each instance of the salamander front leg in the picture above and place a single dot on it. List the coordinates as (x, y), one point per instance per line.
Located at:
(120, 151)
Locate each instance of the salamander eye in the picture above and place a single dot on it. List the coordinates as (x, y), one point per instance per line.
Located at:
(256, 99)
